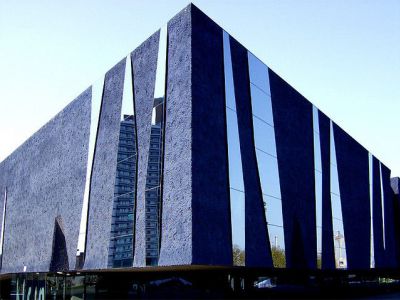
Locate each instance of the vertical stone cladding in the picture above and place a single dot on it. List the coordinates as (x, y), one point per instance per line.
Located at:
(196, 213)
(45, 178)
(177, 210)
(104, 168)
(144, 65)
(328, 251)
(257, 243)
(294, 145)
(353, 166)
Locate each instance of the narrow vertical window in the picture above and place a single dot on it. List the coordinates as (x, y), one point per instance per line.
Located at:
(372, 250)
(236, 185)
(97, 96)
(383, 208)
(267, 161)
(120, 252)
(153, 189)
(318, 185)
(337, 216)
(3, 224)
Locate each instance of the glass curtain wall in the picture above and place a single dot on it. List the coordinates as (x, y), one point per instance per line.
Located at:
(122, 225)
(97, 97)
(318, 185)
(337, 217)
(153, 191)
(264, 138)
(372, 250)
(236, 185)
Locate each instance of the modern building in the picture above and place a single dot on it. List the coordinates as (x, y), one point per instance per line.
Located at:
(191, 152)
(121, 240)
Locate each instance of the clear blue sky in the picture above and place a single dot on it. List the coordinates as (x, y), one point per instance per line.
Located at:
(344, 56)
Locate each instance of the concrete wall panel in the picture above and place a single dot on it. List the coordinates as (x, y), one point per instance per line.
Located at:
(104, 168)
(177, 222)
(144, 65)
(45, 179)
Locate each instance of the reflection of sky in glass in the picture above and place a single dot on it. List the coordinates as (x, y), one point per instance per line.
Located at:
(269, 177)
(265, 144)
(238, 218)
(318, 180)
(383, 207)
(259, 73)
(3, 221)
(261, 104)
(372, 252)
(234, 157)
(337, 218)
(264, 137)
(97, 93)
(237, 196)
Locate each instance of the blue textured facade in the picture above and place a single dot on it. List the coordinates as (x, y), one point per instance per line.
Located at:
(194, 152)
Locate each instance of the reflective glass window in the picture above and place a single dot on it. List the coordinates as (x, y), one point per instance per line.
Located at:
(372, 251)
(3, 224)
(264, 138)
(383, 207)
(269, 175)
(318, 184)
(337, 216)
(259, 73)
(237, 196)
(261, 104)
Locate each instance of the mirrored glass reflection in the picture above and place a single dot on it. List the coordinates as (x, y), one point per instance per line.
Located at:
(318, 185)
(3, 222)
(237, 196)
(258, 73)
(261, 105)
(371, 207)
(238, 226)
(276, 236)
(264, 138)
(337, 216)
(383, 207)
(269, 174)
(122, 224)
(234, 157)
(153, 188)
(95, 107)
